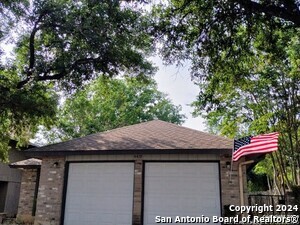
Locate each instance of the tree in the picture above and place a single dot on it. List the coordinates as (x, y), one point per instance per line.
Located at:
(215, 35)
(73, 41)
(106, 104)
(22, 110)
(61, 45)
(265, 99)
(10, 12)
(245, 58)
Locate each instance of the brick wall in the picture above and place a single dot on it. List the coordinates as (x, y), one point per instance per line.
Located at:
(230, 192)
(26, 200)
(230, 183)
(137, 194)
(50, 194)
(49, 200)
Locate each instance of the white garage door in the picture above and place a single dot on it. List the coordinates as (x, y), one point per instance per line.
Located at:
(99, 193)
(181, 189)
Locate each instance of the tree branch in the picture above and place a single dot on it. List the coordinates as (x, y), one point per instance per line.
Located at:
(29, 71)
(274, 10)
(31, 45)
(57, 76)
(52, 77)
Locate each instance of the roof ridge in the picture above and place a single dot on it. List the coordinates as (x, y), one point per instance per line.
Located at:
(119, 128)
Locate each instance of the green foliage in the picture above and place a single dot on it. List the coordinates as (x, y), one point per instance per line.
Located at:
(110, 103)
(218, 35)
(264, 167)
(245, 58)
(22, 110)
(65, 44)
(72, 42)
(262, 99)
(10, 13)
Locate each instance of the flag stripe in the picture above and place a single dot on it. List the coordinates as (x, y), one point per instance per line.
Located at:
(239, 152)
(253, 140)
(255, 149)
(252, 145)
(249, 151)
(261, 143)
(263, 138)
(267, 135)
(257, 146)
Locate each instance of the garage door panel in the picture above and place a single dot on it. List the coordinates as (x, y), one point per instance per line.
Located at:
(181, 189)
(99, 193)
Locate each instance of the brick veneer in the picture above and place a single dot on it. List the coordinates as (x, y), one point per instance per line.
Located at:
(230, 191)
(50, 194)
(49, 199)
(138, 190)
(28, 185)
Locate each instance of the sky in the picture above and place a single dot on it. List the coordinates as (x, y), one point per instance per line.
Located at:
(177, 83)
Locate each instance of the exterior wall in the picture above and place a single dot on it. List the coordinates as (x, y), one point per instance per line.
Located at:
(9, 174)
(137, 194)
(50, 194)
(49, 201)
(28, 186)
(147, 157)
(229, 183)
(13, 179)
(12, 198)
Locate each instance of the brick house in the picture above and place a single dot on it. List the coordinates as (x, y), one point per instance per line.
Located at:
(131, 175)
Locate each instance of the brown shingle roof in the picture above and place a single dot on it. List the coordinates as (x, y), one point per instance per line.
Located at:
(154, 134)
(28, 163)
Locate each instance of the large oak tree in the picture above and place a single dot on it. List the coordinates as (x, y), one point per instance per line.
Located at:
(245, 58)
(110, 103)
(62, 45)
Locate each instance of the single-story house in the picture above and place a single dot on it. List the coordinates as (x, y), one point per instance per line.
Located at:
(140, 174)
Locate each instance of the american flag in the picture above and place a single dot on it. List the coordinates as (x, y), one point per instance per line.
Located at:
(252, 145)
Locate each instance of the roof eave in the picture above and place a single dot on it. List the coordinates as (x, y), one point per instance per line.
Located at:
(35, 153)
(25, 166)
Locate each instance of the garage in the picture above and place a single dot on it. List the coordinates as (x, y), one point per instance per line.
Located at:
(181, 189)
(99, 193)
(131, 175)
